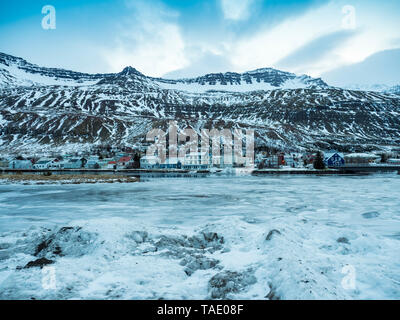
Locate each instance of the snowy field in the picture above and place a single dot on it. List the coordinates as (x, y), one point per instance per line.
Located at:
(287, 237)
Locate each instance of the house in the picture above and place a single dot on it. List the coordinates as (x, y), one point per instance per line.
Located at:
(4, 164)
(56, 164)
(124, 162)
(274, 161)
(74, 163)
(193, 160)
(271, 162)
(153, 162)
(112, 165)
(45, 163)
(104, 163)
(361, 158)
(93, 162)
(172, 163)
(218, 161)
(259, 158)
(290, 162)
(334, 159)
(20, 164)
(394, 161)
(149, 162)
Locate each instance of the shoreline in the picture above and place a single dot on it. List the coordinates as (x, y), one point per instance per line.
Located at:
(305, 172)
(107, 172)
(40, 179)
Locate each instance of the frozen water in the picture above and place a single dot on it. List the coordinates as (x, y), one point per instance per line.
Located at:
(287, 237)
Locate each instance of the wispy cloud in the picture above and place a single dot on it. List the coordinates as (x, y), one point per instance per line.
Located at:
(190, 38)
(200, 64)
(379, 68)
(313, 55)
(269, 45)
(150, 40)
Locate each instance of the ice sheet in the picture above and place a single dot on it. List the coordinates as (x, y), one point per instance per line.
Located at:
(287, 237)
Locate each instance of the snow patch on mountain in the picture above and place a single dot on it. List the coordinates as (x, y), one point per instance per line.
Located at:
(16, 76)
(242, 87)
(256, 80)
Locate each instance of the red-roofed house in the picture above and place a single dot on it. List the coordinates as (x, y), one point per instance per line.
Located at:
(124, 162)
(112, 165)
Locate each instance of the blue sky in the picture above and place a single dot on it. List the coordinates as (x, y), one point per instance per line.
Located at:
(184, 38)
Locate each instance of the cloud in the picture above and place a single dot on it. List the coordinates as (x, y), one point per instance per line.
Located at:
(300, 36)
(188, 38)
(236, 9)
(266, 47)
(315, 51)
(201, 64)
(379, 68)
(150, 40)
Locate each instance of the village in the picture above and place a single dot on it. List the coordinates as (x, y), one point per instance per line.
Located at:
(107, 158)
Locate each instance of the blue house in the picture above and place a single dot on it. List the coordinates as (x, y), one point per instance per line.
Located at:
(20, 164)
(334, 159)
(74, 163)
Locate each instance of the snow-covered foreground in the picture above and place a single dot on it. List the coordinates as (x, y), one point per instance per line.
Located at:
(196, 238)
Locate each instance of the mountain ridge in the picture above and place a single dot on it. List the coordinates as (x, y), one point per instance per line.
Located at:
(121, 108)
(272, 78)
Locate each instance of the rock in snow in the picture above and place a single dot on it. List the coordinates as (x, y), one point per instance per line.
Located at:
(38, 263)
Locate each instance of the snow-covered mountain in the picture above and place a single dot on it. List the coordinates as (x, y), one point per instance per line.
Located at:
(260, 79)
(18, 72)
(45, 108)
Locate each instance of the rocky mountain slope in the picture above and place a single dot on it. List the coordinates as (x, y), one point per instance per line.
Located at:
(48, 109)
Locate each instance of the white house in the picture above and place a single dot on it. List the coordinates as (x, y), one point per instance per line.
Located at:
(124, 162)
(194, 161)
(111, 165)
(104, 163)
(149, 162)
(172, 163)
(219, 161)
(44, 163)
